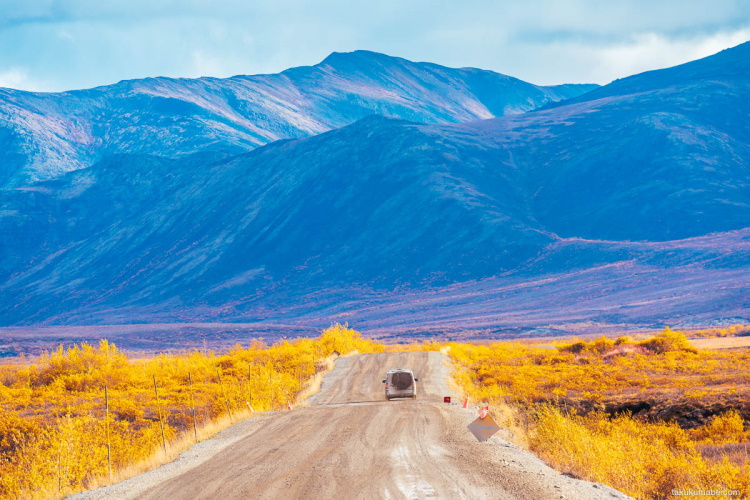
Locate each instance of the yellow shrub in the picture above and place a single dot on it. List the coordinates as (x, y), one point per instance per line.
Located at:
(668, 340)
(646, 460)
(643, 460)
(723, 429)
(59, 444)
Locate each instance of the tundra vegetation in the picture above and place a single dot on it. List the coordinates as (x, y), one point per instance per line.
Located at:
(55, 431)
(646, 417)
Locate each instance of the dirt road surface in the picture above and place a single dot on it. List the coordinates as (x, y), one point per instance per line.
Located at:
(352, 443)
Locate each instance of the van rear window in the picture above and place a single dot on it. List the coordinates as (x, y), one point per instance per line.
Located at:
(401, 380)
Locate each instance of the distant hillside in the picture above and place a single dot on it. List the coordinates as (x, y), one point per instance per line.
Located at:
(45, 135)
(659, 156)
(616, 208)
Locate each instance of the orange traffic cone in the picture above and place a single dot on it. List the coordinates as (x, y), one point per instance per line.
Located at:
(249, 407)
(484, 411)
(289, 406)
(466, 402)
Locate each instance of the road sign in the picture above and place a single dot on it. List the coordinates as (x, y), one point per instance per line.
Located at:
(483, 428)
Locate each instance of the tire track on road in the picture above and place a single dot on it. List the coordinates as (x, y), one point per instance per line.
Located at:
(352, 443)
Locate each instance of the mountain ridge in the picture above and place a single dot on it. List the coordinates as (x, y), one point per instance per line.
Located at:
(714, 66)
(622, 209)
(46, 134)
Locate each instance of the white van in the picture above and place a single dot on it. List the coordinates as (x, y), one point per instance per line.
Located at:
(400, 383)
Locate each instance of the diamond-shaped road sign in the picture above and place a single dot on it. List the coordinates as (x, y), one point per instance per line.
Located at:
(483, 428)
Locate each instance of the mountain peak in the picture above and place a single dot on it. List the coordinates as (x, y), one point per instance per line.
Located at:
(178, 117)
(359, 57)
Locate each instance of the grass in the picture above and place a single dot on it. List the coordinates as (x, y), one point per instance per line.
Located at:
(312, 386)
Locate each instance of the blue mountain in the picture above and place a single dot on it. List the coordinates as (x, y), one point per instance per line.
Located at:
(626, 205)
(43, 135)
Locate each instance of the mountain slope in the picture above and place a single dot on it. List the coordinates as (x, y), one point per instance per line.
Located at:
(45, 135)
(493, 220)
(144, 229)
(659, 156)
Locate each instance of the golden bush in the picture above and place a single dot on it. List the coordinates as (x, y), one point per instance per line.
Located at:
(644, 459)
(54, 424)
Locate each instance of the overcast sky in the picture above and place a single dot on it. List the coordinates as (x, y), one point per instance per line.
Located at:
(53, 45)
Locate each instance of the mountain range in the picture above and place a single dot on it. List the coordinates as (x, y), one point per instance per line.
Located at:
(478, 202)
(44, 135)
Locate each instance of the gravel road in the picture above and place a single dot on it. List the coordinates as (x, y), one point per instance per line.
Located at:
(352, 443)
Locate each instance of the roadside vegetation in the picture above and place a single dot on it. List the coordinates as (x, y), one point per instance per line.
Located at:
(56, 432)
(738, 330)
(645, 417)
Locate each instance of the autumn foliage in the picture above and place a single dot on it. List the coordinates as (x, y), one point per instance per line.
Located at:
(565, 402)
(55, 428)
(557, 400)
(738, 330)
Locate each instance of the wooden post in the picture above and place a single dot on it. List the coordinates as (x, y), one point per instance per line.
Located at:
(224, 392)
(161, 421)
(192, 402)
(249, 382)
(59, 460)
(106, 426)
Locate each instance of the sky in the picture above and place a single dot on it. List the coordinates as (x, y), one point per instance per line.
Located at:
(55, 45)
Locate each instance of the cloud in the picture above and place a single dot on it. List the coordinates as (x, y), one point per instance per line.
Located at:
(205, 64)
(18, 78)
(649, 51)
(575, 60)
(66, 35)
(81, 43)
